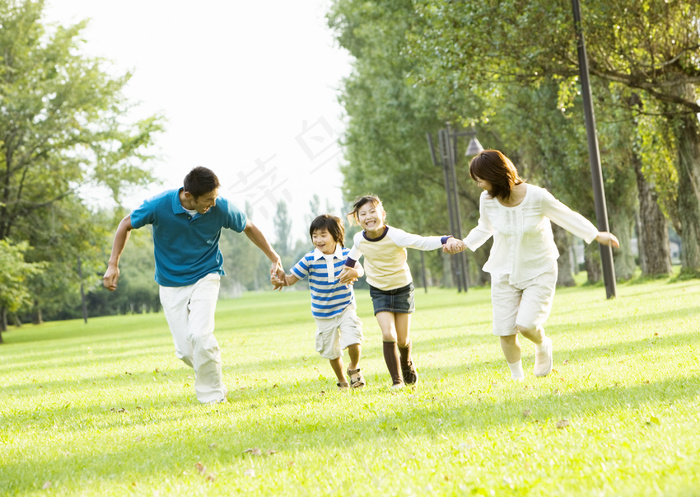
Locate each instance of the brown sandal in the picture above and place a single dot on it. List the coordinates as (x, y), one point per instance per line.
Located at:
(356, 378)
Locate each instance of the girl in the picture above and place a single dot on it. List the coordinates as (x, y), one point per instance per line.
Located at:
(389, 277)
(523, 259)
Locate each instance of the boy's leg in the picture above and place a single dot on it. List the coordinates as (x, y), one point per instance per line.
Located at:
(175, 302)
(208, 384)
(355, 352)
(337, 365)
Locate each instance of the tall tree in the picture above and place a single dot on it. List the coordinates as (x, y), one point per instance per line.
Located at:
(14, 272)
(645, 45)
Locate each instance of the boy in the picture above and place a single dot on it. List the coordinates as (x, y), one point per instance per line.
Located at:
(332, 302)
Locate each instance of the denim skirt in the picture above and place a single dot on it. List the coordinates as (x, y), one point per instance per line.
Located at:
(398, 300)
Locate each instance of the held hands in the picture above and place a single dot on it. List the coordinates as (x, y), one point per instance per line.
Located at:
(454, 246)
(348, 275)
(606, 238)
(277, 282)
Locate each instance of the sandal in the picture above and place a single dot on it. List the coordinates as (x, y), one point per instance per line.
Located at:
(356, 378)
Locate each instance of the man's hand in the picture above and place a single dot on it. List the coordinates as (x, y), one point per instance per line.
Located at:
(454, 246)
(109, 280)
(277, 270)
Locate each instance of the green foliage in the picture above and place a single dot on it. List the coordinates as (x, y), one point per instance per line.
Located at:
(106, 408)
(14, 272)
(62, 128)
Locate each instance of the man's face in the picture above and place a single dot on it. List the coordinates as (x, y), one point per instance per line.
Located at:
(205, 202)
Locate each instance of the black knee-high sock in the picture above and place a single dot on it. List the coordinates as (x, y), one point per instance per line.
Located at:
(391, 357)
(405, 354)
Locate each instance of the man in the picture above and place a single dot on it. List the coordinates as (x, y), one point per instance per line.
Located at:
(187, 225)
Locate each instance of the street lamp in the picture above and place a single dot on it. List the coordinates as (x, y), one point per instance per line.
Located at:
(447, 141)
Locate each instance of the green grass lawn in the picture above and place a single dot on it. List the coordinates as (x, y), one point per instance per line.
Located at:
(106, 408)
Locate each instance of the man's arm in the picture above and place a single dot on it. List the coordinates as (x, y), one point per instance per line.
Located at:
(111, 277)
(256, 236)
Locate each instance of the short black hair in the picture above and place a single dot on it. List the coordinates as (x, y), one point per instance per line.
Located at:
(332, 224)
(201, 180)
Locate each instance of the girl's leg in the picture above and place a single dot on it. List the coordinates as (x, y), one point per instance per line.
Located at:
(403, 326)
(387, 324)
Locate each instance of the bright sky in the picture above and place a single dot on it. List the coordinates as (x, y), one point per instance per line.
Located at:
(249, 89)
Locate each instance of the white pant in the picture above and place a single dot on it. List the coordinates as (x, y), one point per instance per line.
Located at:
(189, 311)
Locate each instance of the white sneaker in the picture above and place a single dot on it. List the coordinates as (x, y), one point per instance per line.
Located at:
(543, 358)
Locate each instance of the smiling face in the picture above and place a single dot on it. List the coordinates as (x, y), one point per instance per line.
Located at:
(203, 203)
(371, 217)
(323, 240)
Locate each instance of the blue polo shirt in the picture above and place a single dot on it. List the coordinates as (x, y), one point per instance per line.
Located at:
(186, 247)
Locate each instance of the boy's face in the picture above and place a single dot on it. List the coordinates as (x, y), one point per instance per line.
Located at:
(323, 241)
(371, 216)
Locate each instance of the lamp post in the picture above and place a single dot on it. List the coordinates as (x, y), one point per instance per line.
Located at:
(447, 146)
(601, 211)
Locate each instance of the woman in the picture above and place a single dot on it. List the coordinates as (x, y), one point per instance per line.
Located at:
(523, 259)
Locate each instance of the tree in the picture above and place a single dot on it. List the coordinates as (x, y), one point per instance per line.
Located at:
(644, 45)
(14, 272)
(62, 127)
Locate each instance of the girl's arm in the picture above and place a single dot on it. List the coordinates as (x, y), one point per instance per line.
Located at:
(409, 240)
(350, 275)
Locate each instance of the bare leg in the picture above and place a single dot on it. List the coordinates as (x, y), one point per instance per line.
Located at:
(511, 348)
(337, 365)
(355, 352)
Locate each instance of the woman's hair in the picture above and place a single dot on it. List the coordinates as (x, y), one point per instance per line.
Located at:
(201, 180)
(332, 224)
(497, 169)
(361, 201)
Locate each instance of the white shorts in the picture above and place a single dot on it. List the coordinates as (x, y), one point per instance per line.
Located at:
(526, 304)
(335, 334)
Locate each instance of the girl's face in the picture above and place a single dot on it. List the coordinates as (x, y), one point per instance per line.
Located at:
(371, 217)
(324, 241)
(483, 184)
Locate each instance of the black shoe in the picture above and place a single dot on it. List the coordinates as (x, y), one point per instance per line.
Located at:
(410, 376)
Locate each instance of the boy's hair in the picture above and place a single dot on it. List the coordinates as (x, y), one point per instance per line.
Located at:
(497, 169)
(359, 202)
(332, 224)
(201, 180)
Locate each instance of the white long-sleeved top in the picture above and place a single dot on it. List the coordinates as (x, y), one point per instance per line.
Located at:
(523, 244)
(385, 257)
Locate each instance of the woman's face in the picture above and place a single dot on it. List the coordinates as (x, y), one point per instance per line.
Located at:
(483, 184)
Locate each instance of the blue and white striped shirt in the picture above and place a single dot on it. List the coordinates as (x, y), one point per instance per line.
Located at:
(328, 296)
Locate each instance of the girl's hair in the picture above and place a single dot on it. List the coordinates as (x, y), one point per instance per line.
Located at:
(201, 180)
(497, 169)
(332, 224)
(359, 202)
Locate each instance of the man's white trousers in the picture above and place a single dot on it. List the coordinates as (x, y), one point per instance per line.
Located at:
(189, 311)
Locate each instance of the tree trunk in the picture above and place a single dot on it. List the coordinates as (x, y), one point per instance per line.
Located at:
(563, 241)
(623, 226)
(3, 320)
(688, 167)
(652, 236)
(592, 263)
(38, 316)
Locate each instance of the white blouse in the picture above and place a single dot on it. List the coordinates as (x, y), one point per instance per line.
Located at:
(523, 244)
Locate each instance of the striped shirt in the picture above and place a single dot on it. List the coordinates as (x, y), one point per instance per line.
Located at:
(328, 296)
